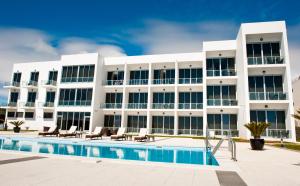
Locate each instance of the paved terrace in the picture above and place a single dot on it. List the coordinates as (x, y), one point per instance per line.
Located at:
(273, 166)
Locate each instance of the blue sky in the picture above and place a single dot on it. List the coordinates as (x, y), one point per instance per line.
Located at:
(35, 30)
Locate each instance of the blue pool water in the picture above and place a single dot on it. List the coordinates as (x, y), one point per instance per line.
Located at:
(178, 155)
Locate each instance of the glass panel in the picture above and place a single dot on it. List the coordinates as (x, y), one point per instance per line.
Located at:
(225, 121)
(271, 117)
(257, 50)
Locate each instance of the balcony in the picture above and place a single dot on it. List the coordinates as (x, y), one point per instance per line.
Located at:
(50, 83)
(266, 60)
(162, 131)
(190, 106)
(9, 105)
(32, 83)
(163, 106)
(48, 104)
(224, 72)
(224, 132)
(136, 106)
(164, 81)
(267, 96)
(111, 105)
(30, 104)
(190, 80)
(222, 102)
(12, 84)
(77, 79)
(194, 132)
(75, 103)
(113, 82)
(138, 82)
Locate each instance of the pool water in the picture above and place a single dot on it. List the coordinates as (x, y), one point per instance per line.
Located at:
(177, 155)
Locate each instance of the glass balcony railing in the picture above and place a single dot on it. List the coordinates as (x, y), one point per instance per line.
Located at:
(267, 96)
(30, 104)
(277, 133)
(265, 60)
(194, 132)
(113, 82)
(75, 103)
(51, 82)
(136, 105)
(10, 104)
(12, 84)
(190, 80)
(190, 105)
(164, 81)
(133, 130)
(224, 72)
(32, 83)
(222, 102)
(162, 131)
(111, 105)
(163, 105)
(224, 132)
(138, 82)
(48, 104)
(76, 79)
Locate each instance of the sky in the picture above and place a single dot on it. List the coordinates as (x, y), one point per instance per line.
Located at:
(36, 30)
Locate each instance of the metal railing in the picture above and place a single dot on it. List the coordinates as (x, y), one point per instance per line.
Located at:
(111, 105)
(190, 80)
(163, 105)
(162, 131)
(194, 132)
(133, 130)
(267, 96)
(225, 132)
(136, 105)
(113, 82)
(32, 83)
(30, 104)
(164, 81)
(74, 103)
(222, 102)
(50, 82)
(190, 106)
(277, 133)
(12, 84)
(76, 79)
(265, 60)
(48, 104)
(138, 82)
(223, 72)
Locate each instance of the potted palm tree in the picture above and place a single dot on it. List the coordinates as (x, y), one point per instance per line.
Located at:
(257, 129)
(17, 125)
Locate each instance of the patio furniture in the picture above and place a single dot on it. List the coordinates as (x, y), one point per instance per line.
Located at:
(53, 131)
(97, 133)
(70, 132)
(120, 134)
(142, 135)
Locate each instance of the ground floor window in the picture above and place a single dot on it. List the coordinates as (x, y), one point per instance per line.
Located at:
(222, 124)
(190, 125)
(163, 124)
(48, 115)
(29, 115)
(67, 119)
(134, 123)
(112, 121)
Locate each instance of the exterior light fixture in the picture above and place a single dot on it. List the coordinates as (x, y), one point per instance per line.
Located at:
(261, 39)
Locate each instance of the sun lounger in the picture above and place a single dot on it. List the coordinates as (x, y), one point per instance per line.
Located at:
(142, 135)
(53, 131)
(120, 134)
(97, 133)
(70, 132)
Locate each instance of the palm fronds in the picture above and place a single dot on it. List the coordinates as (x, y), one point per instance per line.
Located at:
(257, 128)
(297, 115)
(17, 123)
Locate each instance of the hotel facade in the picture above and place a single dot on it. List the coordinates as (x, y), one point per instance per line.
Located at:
(228, 84)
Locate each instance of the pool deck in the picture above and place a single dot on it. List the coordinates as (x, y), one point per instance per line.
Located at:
(273, 166)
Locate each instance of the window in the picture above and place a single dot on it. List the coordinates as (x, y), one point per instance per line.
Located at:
(79, 119)
(14, 97)
(115, 78)
(275, 117)
(48, 115)
(190, 75)
(113, 100)
(221, 95)
(83, 73)
(50, 97)
(139, 77)
(34, 78)
(112, 121)
(163, 124)
(190, 100)
(164, 76)
(75, 97)
(29, 115)
(52, 77)
(17, 78)
(11, 114)
(31, 97)
(267, 53)
(20, 114)
(134, 123)
(220, 66)
(222, 123)
(192, 125)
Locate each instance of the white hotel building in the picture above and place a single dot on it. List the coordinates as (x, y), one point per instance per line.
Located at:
(228, 84)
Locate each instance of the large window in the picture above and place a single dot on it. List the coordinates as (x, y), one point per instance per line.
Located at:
(220, 67)
(34, 78)
(264, 53)
(221, 95)
(138, 100)
(163, 124)
(67, 119)
(113, 100)
(163, 100)
(52, 78)
(29, 115)
(115, 78)
(31, 97)
(191, 125)
(266, 87)
(164, 76)
(16, 79)
(112, 121)
(48, 115)
(83, 73)
(14, 98)
(223, 124)
(75, 97)
(190, 100)
(190, 75)
(139, 77)
(134, 123)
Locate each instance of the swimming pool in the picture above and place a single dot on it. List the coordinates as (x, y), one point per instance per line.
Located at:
(148, 153)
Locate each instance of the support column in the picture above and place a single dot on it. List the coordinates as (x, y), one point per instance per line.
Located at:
(124, 101)
(149, 119)
(176, 99)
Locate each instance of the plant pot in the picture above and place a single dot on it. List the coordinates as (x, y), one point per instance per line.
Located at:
(17, 129)
(257, 144)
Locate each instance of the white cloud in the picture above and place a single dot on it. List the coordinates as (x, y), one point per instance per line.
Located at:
(171, 37)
